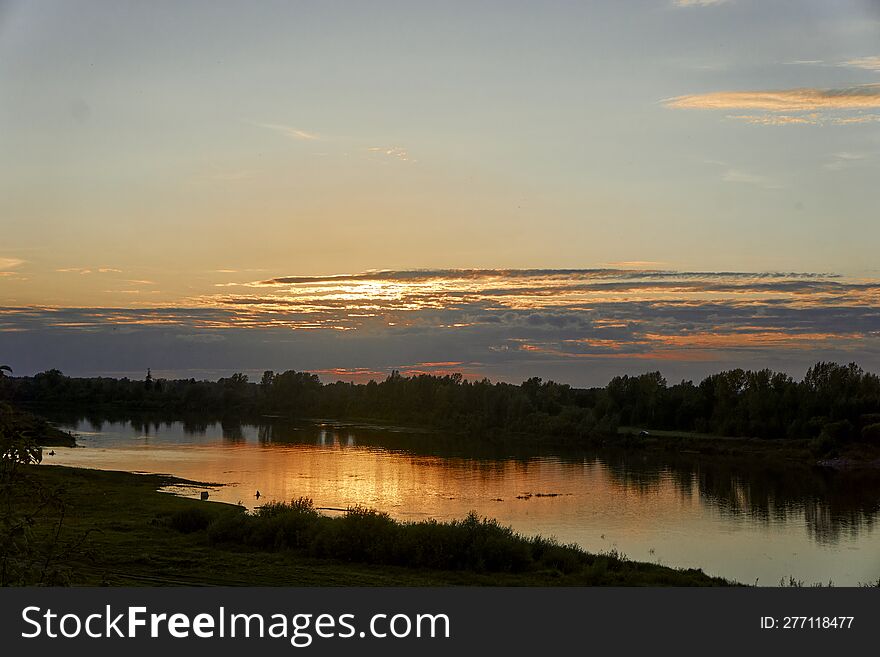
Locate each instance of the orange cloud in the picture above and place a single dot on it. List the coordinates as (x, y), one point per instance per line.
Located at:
(734, 340)
(867, 63)
(866, 96)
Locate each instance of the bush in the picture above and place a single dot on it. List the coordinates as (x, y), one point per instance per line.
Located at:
(360, 535)
(274, 526)
(279, 526)
(564, 558)
(814, 425)
(369, 536)
(869, 418)
(192, 519)
(840, 432)
(824, 445)
(871, 434)
(230, 528)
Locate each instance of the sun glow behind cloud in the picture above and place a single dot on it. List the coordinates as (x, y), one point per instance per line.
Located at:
(496, 321)
(182, 187)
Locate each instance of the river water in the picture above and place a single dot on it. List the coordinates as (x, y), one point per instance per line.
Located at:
(745, 519)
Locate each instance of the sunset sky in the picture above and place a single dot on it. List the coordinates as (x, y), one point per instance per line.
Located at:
(506, 189)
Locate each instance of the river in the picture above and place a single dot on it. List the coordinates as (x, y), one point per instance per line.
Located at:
(744, 519)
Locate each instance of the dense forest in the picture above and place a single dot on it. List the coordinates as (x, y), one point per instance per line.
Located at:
(833, 405)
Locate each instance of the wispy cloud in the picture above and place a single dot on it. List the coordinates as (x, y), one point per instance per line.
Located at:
(697, 3)
(637, 264)
(740, 176)
(288, 131)
(867, 63)
(845, 160)
(10, 263)
(510, 276)
(778, 119)
(866, 96)
(802, 106)
(391, 151)
(89, 270)
(74, 270)
(863, 118)
(812, 119)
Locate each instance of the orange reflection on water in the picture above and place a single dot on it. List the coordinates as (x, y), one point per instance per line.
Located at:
(738, 524)
(406, 485)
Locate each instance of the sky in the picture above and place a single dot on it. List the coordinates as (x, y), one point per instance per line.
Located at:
(569, 190)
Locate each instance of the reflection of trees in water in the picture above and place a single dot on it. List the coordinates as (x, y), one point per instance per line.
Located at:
(145, 427)
(849, 506)
(195, 426)
(232, 431)
(264, 433)
(143, 422)
(834, 504)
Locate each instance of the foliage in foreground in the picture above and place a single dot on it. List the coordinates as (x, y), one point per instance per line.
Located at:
(127, 533)
(26, 558)
(363, 535)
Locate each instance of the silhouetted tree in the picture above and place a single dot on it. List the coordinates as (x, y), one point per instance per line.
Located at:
(832, 405)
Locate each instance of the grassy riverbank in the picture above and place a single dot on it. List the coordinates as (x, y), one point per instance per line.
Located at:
(22, 422)
(119, 530)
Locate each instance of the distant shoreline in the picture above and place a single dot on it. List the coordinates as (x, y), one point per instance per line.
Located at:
(831, 416)
(634, 439)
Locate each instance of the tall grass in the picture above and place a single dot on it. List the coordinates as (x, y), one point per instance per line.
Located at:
(368, 536)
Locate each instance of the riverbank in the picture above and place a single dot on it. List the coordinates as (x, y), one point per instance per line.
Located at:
(23, 422)
(488, 443)
(119, 530)
(853, 455)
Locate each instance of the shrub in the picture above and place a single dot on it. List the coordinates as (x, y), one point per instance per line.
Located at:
(840, 432)
(360, 535)
(279, 526)
(823, 445)
(230, 528)
(869, 418)
(871, 434)
(368, 536)
(814, 425)
(192, 519)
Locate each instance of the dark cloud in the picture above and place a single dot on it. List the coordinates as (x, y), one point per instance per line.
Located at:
(420, 275)
(575, 325)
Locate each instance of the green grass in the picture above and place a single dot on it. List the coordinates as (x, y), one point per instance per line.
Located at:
(24, 422)
(127, 533)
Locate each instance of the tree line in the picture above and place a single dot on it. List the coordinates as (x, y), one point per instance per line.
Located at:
(834, 404)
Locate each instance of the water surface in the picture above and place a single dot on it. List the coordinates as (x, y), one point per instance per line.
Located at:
(741, 519)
